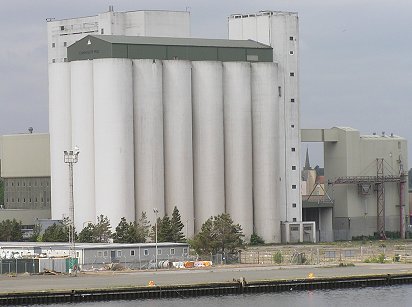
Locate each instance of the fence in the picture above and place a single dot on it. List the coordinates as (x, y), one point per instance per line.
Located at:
(319, 255)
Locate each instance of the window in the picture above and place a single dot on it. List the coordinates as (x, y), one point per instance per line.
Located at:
(185, 250)
(280, 91)
(292, 100)
(105, 253)
(61, 28)
(294, 205)
(292, 74)
(146, 252)
(119, 253)
(293, 149)
(53, 60)
(291, 38)
(159, 251)
(172, 251)
(53, 45)
(292, 126)
(132, 253)
(291, 52)
(294, 219)
(293, 167)
(102, 31)
(65, 60)
(294, 186)
(65, 44)
(99, 254)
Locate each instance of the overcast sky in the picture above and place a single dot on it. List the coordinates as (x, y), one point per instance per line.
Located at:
(355, 57)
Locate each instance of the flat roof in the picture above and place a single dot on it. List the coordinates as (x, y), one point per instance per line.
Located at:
(179, 41)
(85, 245)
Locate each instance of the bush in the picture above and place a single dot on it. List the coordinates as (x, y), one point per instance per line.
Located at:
(277, 257)
(378, 259)
(256, 240)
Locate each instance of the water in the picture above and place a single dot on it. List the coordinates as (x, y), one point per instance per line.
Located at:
(378, 296)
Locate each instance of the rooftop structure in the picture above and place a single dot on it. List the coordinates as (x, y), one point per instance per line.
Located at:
(63, 33)
(166, 48)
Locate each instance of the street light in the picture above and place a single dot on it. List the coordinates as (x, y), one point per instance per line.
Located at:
(156, 212)
(71, 157)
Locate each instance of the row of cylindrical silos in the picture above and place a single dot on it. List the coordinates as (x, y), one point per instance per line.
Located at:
(202, 136)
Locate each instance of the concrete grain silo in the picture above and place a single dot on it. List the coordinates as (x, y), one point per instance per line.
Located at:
(177, 103)
(60, 137)
(113, 139)
(208, 142)
(82, 110)
(238, 144)
(265, 100)
(148, 138)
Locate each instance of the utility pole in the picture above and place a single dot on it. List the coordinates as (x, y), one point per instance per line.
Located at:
(155, 212)
(71, 157)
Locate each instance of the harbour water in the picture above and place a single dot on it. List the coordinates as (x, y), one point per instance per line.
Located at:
(398, 296)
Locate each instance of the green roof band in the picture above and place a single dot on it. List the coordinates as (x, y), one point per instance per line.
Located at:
(168, 48)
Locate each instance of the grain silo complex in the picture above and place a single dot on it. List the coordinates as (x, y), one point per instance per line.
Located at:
(207, 125)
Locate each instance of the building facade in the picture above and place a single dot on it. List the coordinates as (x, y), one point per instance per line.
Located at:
(280, 30)
(174, 120)
(63, 33)
(25, 171)
(367, 182)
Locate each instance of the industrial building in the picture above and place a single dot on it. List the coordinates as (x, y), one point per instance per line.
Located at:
(366, 178)
(206, 124)
(25, 171)
(65, 32)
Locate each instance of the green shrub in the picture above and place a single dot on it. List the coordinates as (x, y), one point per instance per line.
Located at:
(277, 257)
(256, 240)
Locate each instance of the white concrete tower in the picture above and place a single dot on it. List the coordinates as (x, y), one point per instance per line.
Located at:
(280, 30)
(63, 33)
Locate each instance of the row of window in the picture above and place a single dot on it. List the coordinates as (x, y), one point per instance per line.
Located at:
(29, 200)
(133, 252)
(54, 44)
(28, 183)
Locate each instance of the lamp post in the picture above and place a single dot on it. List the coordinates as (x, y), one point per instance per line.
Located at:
(156, 213)
(71, 157)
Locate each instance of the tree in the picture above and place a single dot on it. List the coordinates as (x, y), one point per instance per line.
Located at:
(218, 235)
(10, 230)
(102, 230)
(87, 234)
(58, 232)
(176, 226)
(122, 232)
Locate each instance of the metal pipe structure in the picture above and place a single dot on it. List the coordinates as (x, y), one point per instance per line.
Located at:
(238, 144)
(208, 142)
(71, 157)
(156, 212)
